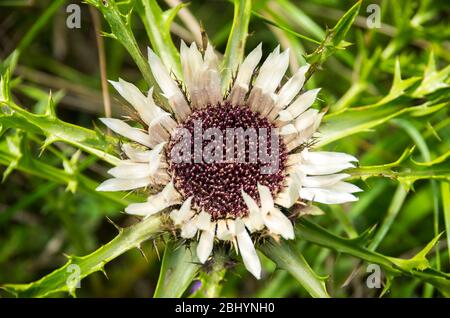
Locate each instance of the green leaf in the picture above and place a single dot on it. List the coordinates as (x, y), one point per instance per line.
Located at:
(343, 25)
(287, 256)
(303, 20)
(157, 23)
(50, 110)
(405, 172)
(363, 67)
(26, 200)
(417, 262)
(284, 27)
(24, 161)
(415, 135)
(334, 40)
(67, 277)
(57, 130)
(14, 144)
(445, 191)
(5, 92)
(440, 159)
(179, 267)
(432, 80)
(399, 86)
(414, 267)
(362, 119)
(391, 214)
(234, 52)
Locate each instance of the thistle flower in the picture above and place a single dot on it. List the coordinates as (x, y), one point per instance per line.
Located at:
(235, 190)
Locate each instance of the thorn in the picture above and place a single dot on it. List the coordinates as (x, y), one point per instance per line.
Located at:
(118, 228)
(47, 142)
(75, 157)
(72, 292)
(139, 247)
(102, 269)
(50, 109)
(235, 245)
(156, 250)
(197, 263)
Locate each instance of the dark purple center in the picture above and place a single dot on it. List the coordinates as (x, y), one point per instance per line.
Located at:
(216, 184)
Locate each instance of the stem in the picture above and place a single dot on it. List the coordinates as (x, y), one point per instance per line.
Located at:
(102, 60)
(234, 52)
(422, 145)
(67, 277)
(445, 191)
(393, 210)
(212, 278)
(286, 256)
(178, 269)
(188, 20)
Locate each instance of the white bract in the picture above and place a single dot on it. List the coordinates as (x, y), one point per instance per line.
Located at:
(309, 175)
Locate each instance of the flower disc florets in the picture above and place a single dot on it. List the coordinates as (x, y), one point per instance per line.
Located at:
(229, 149)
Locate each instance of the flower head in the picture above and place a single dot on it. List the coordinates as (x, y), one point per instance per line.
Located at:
(225, 165)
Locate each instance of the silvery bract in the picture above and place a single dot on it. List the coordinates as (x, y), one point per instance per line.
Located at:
(227, 200)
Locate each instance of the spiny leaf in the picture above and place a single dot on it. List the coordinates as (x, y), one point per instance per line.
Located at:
(387, 286)
(406, 172)
(334, 40)
(399, 86)
(313, 233)
(345, 22)
(37, 168)
(419, 261)
(365, 237)
(432, 80)
(14, 143)
(60, 279)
